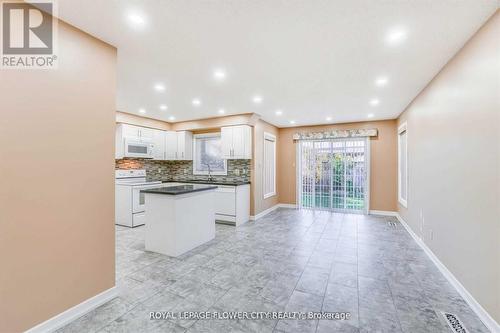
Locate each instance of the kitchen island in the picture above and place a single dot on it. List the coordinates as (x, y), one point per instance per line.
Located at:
(232, 199)
(179, 217)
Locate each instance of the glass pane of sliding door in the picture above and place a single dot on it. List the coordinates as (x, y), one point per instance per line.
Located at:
(333, 174)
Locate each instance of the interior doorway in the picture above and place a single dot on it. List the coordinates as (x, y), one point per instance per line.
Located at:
(333, 174)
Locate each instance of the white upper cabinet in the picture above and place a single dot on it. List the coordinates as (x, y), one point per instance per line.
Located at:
(184, 145)
(179, 145)
(129, 131)
(159, 145)
(147, 134)
(132, 133)
(171, 145)
(236, 142)
(135, 132)
(168, 145)
(226, 134)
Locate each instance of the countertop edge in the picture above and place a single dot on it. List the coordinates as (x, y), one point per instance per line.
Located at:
(152, 191)
(207, 183)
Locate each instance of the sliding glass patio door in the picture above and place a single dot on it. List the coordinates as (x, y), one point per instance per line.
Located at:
(333, 174)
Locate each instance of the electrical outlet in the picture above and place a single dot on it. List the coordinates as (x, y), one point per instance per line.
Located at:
(431, 234)
(237, 172)
(159, 169)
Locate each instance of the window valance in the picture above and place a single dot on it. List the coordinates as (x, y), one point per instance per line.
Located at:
(334, 134)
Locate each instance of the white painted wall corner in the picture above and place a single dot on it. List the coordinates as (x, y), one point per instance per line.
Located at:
(485, 317)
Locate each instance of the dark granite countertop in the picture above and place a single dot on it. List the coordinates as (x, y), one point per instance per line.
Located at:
(213, 182)
(179, 189)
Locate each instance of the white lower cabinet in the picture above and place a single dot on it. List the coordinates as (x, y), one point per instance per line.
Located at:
(232, 204)
(225, 203)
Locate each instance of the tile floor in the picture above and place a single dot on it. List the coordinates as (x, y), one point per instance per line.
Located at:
(290, 260)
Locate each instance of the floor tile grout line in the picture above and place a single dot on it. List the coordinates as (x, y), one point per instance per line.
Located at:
(294, 228)
(357, 271)
(295, 287)
(331, 269)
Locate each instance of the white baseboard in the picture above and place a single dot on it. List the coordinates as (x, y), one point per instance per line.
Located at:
(75, 312)
(383, 213)
(485, 317)
(264, 213)
(269, 210)
(287, 205)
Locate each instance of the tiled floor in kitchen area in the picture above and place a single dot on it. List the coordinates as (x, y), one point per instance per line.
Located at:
(290, 260)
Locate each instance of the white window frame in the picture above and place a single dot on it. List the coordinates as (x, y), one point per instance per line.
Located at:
(214, 173)
(403, 201)
(268, 137)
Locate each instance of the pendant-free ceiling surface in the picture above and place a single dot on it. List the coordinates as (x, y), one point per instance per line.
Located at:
(305, 62)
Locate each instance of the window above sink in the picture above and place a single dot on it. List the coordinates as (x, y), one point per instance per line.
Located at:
(207, 155)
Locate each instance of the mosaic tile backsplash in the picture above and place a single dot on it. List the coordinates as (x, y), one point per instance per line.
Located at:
(237, 170)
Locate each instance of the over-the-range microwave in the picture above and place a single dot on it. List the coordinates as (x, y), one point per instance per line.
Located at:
(138, 149)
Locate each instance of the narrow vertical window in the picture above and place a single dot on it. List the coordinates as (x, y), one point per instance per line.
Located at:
(269, 166)
(403, 165)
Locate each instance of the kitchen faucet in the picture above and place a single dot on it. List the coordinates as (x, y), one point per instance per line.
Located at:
(210, 178)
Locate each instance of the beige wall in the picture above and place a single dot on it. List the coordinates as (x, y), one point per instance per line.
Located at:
(453, 144)
(383, 164)
(258, 203)
(127, 118)
(57, 190)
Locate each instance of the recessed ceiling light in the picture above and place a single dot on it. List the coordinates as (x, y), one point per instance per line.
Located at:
(371, 115)
(292, 122)
(374, 102)
(142, 111)
(171, 118)
(257, 99)
(279, 112)
(381, 81)
(159, 87)
(328, 118)
(163, 107)
(219, 74)
(136, 19)
(396, 35)
(196, 102)
(221, 111)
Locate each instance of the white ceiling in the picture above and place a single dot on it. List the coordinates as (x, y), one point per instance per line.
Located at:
(310, 59)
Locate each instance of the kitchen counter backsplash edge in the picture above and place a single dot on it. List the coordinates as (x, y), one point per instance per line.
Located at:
(237, 170)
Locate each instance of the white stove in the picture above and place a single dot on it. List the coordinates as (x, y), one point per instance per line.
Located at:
(129, 201)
